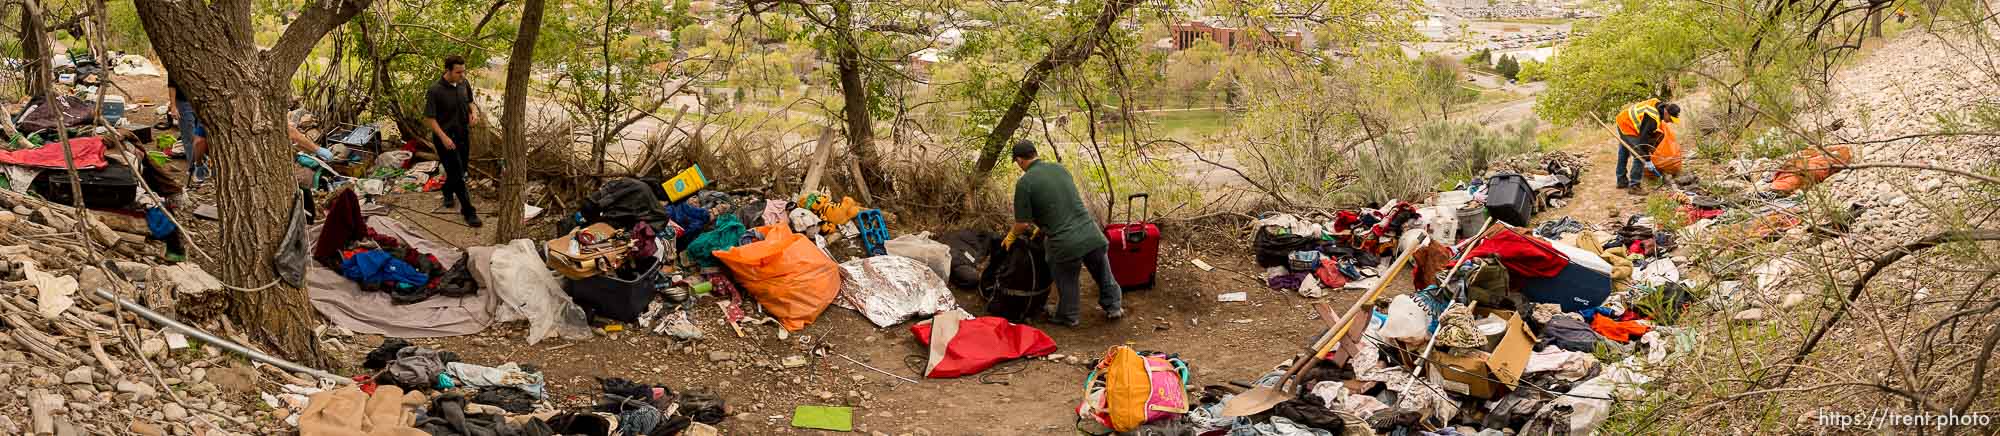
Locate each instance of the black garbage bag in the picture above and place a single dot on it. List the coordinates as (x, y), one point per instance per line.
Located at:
(624, 202)
(704, 406)
(1275, 247)
(969, 249)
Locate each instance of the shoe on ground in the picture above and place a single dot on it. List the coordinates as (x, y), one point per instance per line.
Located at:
(473, 220)
(450, 203)
(1065, 322)
(1115, 313)
(198, 174)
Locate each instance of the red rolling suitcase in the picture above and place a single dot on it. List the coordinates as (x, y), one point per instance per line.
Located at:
(1135, 248)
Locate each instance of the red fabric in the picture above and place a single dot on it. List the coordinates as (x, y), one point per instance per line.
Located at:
(1329, 274)
(344, 224)
(1698, 214)
(983, 342)
(1523, 256)
(367, 383)
(1345, 220)
(89, 152)
(1621, 331)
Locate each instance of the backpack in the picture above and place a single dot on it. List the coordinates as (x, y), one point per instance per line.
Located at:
(1128, 389)
(1274, 246)
(1016, 281)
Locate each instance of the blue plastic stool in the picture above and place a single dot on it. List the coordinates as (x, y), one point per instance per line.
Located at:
(874, 232)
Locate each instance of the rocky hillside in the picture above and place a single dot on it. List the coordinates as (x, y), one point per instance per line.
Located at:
(1918, 336)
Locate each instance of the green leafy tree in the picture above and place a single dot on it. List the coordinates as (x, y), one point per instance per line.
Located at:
(1194, 74)
(1438, 77)
(1483, 57)
(1508, 67)
(1531, 71)
(1626, 56)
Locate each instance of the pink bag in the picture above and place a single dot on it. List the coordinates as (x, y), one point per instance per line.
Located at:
(1166, 397)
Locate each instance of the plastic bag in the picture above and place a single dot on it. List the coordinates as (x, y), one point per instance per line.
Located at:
(788, 275)
(920, 247)
(291, 258)
(890, 289)
(526, 286)
(1667, 156)
(1407, 320)
(392, 160)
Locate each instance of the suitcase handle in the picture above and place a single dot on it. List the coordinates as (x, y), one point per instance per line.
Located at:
(1129, 209)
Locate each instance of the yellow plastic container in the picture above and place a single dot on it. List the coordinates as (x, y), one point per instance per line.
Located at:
(687, 183)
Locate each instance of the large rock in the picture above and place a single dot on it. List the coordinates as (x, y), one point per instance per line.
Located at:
(82, 375)
(173, 412)
(1748, 316)
(147, 429)
(234, 379)
(138, 390)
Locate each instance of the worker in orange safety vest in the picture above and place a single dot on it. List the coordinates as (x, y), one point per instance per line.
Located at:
(1642, 126)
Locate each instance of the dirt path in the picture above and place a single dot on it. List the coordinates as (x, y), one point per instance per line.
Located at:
(1221, 341)
(1598, 201)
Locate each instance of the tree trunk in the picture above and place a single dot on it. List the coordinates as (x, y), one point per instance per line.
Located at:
(45, 78)
(513, 146)
(854, 92)
(240, 92)
(1070, 53)
(34, 45)
(1875, 18)
(608, 107)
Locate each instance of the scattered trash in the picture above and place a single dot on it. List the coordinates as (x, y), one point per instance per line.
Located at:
(1233, 297)
(1198, 263)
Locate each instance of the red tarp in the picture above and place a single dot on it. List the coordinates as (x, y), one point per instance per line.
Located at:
(981, 343)
(89, 153)
(1524, 257)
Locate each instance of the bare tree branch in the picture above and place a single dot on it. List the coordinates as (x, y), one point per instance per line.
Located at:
(1880, 263)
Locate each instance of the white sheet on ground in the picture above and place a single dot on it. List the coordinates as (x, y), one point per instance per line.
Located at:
(890, 289)
(525, 285)
(346, 305)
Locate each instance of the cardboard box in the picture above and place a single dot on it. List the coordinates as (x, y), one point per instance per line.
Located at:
(1470, 375)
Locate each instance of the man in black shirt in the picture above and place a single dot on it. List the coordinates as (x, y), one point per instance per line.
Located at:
(449, 112)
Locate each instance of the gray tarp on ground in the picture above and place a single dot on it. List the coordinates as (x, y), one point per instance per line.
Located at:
(343, 302)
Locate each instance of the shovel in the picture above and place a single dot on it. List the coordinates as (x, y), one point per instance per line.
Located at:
(1264, 398)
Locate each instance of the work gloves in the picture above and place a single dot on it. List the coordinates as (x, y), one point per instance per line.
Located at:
(1008, 242)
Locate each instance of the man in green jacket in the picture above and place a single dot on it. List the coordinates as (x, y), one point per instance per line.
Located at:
(1046, 198)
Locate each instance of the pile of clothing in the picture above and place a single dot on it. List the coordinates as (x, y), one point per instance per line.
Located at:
(1511, 331)
(383, 263)
(1342, 250)
(507, 400)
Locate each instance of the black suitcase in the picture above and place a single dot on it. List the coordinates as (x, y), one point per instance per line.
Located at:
(1509, 199)
(114, 186)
